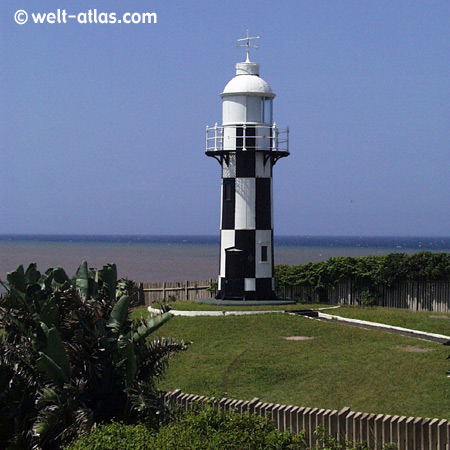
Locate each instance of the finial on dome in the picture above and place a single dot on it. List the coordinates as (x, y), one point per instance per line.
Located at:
(248, 45)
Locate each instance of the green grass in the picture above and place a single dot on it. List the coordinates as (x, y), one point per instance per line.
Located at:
(195, 306)
(140, 311)
(424, 321)
(367, 370)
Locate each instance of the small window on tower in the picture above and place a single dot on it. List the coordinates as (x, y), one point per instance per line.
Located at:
(264, 253)
(227, 194)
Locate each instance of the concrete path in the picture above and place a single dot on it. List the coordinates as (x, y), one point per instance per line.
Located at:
(441, 338)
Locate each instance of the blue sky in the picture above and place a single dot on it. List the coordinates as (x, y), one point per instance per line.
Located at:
(103, 126)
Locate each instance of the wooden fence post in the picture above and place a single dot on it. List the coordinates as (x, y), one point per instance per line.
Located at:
(442, 435)
(312, 418)
(341, 425)
(349, 430)
(294, 429)
(378, 432)
(406, 433)
(425, 433)
(417, 432)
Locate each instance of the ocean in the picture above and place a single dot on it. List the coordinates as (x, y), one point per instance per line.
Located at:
(177, 258)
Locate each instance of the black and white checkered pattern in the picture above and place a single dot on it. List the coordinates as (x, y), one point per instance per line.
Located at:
(246, 262)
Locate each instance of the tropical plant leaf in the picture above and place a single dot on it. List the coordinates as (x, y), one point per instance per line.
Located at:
(93, 283)
(60, 276)
(82, 280)
(5, 376)
(151, 325)
(108, 279)
(16, 279)
(155, 356)
(55, 349)
(119, 314)
(31, 275)
(50, 370)
(126, 350)
(50, 313)
(48, 396)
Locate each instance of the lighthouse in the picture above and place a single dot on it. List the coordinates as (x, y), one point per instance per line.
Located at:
(247, 145)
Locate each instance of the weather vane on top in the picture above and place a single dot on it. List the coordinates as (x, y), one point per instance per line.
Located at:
(248, 44)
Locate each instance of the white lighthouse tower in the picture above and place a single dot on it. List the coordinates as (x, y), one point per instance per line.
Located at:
(247, 146)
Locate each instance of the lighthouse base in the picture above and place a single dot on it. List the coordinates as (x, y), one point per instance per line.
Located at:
(248, 296)
(246, 289)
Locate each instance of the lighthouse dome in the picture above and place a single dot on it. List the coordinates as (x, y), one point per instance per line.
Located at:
(247, 81)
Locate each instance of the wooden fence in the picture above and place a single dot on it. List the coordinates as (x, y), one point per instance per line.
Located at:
(416, 296)
(173, 291)
(406, 433)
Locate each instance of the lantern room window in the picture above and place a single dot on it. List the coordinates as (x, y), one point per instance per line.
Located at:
(266, 110)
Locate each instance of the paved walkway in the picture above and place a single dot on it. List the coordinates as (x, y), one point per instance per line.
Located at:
(441, 338)
(320, 316)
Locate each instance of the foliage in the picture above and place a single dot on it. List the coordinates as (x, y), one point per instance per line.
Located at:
(213, 287)
(368, 298)
(327, 442)
(128, 287)
(367, 273)
(71, 356)
(210, 429)
(116, 436)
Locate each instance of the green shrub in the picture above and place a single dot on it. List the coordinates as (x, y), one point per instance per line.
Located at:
(209, 429)
(368, 298)
(366, 273)
(72, 357)
(194, 430)
(213, 287)
(117, 436)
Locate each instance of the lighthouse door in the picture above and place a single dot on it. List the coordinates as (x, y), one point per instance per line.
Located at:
(234, 270)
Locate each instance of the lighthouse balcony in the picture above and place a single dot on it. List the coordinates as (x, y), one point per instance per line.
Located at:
(247, 137)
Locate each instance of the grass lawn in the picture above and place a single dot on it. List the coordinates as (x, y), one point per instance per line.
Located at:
(424, 321)
(369, 371)
(194, 306)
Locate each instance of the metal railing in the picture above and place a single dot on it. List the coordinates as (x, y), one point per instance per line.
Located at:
(247, 137)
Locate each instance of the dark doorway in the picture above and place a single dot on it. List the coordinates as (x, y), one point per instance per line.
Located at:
(234, 271)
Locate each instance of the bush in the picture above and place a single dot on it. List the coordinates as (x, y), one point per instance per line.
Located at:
(208, 430)
(216, 430)
(72, 357)
(368, 298)
(367, 273)
(117, 436)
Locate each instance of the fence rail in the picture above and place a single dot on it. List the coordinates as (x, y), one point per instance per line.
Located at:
(413, 295)
(175, 291)
(416, 296)
(406, 433)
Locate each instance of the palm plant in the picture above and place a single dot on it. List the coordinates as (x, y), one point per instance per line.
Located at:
(71, 357)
